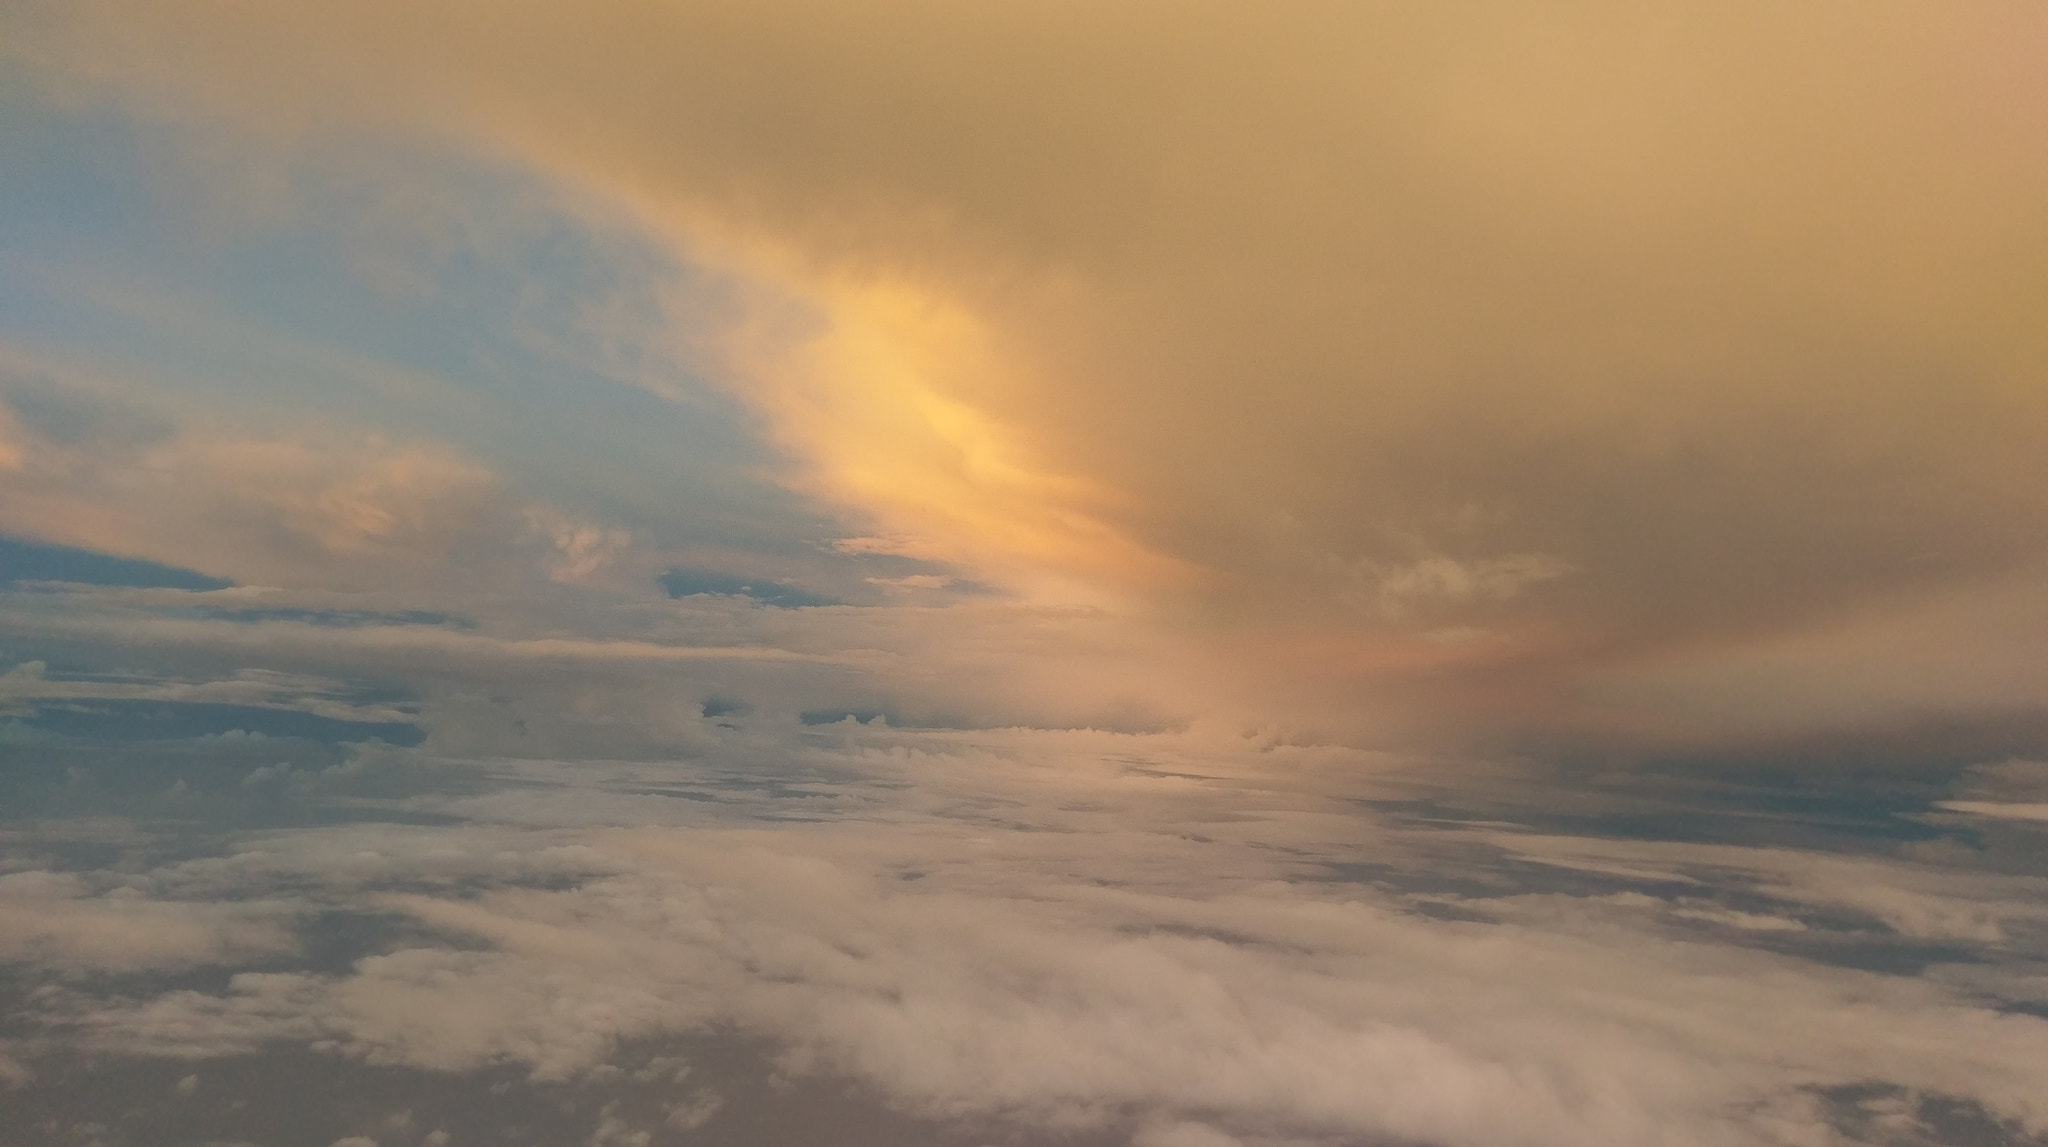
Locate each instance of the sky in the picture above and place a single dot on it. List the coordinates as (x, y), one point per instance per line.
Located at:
(1172, 575)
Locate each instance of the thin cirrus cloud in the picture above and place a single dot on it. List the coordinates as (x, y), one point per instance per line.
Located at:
(1452, 355)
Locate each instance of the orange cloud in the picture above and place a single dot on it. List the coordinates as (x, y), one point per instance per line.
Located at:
(1590, 330)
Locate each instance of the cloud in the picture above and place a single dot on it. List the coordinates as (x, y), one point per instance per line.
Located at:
(27, 561)
(1085, 930)
(28, 683)
(2008, 790)
(303, 500)
(1998, 809)
(55, 919)
(1669, 296)
(267, 510)
(1907, 899)
(583, 548)
(694, 1112)
(1400, 590)
(576, 671)
(1567, 374)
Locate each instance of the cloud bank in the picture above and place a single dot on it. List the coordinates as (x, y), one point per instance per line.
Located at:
(1144, 934)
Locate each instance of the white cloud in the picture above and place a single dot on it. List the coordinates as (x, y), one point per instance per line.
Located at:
(1076, 929)
(613, 1131)
(55, 919)
(2001, 810)
(581, 548)
(1913, 900)
(694, 1112)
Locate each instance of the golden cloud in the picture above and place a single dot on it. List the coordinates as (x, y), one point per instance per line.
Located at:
(1504, 340)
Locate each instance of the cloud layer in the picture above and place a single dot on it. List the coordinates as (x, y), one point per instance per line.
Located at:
(1133, 933)
(700, 829)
